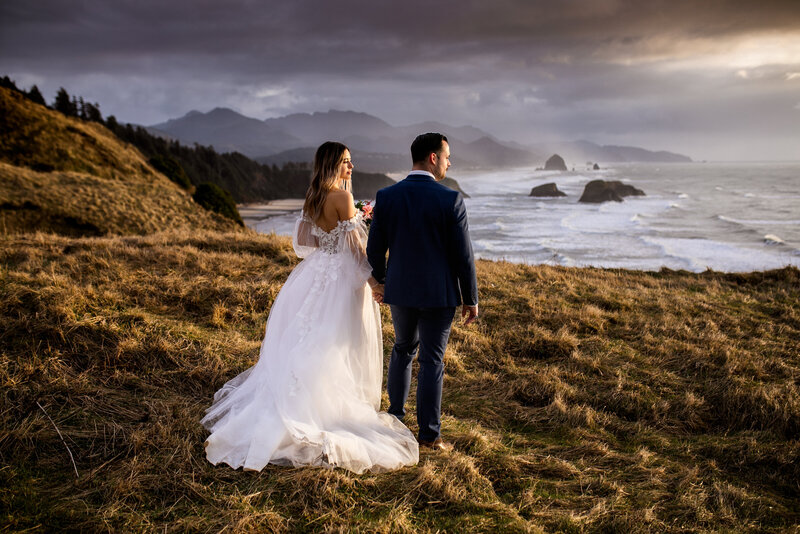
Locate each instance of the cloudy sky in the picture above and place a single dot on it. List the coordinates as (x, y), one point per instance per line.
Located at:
(713, 79)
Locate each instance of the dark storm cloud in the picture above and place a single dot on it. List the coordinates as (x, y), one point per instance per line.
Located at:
(303, 34)
(521, 69)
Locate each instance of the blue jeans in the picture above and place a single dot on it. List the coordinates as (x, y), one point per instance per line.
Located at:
(427, 329)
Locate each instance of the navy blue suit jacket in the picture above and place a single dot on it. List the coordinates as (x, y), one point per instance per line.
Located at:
(423, 225)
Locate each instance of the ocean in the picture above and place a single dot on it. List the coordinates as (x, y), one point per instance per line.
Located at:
(729, 217)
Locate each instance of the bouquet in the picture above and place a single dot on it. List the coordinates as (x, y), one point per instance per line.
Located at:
(365, 207)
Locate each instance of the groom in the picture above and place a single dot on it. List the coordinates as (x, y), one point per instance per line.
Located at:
(431, 270)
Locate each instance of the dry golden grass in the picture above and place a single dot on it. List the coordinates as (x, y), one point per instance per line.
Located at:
(582, 400)
(37, 137)
(73, 203)
(63, 175)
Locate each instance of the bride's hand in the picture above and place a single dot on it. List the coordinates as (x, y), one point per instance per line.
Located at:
(377, 297)
(377, 290)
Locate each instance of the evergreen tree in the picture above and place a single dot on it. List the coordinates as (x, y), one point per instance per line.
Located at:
(112, 124)
(92, 112)
(169, 167)
(36, 96)
(62, 102)
(214, 198)
(8, 83)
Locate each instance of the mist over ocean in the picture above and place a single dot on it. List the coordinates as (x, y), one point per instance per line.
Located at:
(696, 216)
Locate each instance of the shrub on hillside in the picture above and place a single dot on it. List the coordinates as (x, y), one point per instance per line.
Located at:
(169, 167)
(214, 198)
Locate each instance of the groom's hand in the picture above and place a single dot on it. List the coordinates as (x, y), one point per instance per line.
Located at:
(470, 312)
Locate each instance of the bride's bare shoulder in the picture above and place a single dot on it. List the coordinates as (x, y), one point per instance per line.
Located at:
(342, 201)
(339, 195)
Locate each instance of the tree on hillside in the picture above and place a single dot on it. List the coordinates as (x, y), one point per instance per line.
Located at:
(8, 83)
(296, 165)
(144, 141)
(63, 103)
(92, 112)
(214, 198)
(34, 95)
(169, 167)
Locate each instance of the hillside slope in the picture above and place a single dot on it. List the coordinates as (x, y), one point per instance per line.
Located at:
(582, 399)
(63, 175)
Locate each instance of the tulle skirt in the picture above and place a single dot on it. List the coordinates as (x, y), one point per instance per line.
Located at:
(314, 394)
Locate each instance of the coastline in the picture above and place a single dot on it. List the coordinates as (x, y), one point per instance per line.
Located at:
(271, 216)
(693, 217)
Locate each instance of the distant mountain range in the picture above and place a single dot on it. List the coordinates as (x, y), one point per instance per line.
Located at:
(377, 146)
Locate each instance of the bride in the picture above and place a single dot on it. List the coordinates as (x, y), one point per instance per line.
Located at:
(314, 394)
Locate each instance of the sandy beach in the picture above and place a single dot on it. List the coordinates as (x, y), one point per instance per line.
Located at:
(261, 210)
(273, 216)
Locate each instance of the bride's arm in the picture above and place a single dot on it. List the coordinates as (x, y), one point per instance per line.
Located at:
(354, 241)
(345, 211)
(304, 241)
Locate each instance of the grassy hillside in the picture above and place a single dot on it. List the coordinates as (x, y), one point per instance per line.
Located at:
(583, 399)
(64, 175)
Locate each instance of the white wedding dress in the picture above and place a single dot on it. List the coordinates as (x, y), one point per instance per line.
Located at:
(314, 394)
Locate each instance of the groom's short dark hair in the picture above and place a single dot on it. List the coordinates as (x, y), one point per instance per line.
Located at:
(426, 143)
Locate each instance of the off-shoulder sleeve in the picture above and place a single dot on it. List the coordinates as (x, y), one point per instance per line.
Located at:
(354, 243)
(303, 239)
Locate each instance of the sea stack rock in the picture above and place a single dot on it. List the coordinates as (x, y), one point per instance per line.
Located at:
(596, 167)
(547, 190)
(626, 190)
(598, 191)
(555, 163)
(453, 184)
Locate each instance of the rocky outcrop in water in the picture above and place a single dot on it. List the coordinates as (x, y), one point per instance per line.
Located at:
(598, 191)
(547, 190)
(555, 163)
(453, 184)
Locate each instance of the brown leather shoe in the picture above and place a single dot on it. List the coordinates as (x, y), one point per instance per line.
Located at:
(436, 445)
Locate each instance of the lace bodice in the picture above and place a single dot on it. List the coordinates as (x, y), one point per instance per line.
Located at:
(330, 242)
(337, 258)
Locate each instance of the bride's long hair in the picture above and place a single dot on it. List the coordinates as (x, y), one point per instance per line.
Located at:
(327, 160)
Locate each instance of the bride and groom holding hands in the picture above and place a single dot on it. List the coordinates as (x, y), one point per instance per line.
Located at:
(313, 397)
